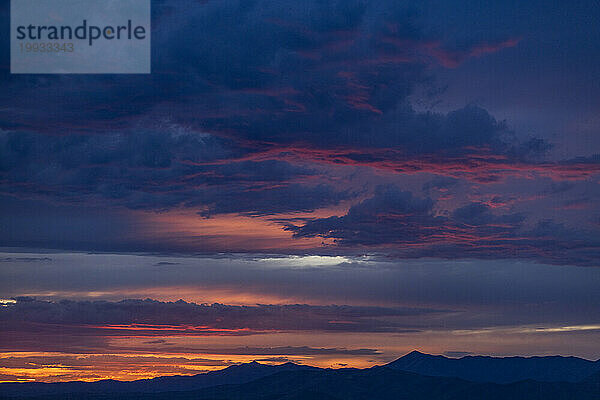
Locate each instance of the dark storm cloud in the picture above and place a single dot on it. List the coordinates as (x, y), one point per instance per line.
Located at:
(546, 84)
(155, 170)
(329, 74)
(326, 74)
(411, 224)
(409, 217)
(252, 105)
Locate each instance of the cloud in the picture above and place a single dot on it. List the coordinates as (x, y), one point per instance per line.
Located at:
(479, 214)
(395, 300)
(155, 170)
(407, 216)
(71, 367)
(475, 165)
(157, 341)
(439, 183)
(328, 75)
(297, 351)
(25, 259)
(128, 366)
(154, 318)
(415, 229)
(262, 108)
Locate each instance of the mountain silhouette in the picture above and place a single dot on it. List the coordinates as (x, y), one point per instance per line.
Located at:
(294, 382)
(234, 374)
(381, 383)
(594, 378)
(498, 369)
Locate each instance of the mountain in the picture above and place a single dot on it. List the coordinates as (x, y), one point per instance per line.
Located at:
(594, 378)
(497, 369)
(231, 375)
(379, 383)
(414, 376)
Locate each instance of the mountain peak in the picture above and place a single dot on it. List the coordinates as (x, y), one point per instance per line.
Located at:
(415, 353)
(247, 366)
(496, 369)
(414, 357)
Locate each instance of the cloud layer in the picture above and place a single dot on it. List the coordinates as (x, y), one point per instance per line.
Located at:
(263, 110)
(414, 227)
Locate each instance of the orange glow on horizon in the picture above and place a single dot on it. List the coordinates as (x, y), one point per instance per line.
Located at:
(132, 366)
(130, 358)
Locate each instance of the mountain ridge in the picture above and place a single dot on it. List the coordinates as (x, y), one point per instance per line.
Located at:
(381, 383)
(234, 374)
(470, 369)
(498, 369)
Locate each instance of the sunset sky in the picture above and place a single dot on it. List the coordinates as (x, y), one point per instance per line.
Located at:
(334, 183)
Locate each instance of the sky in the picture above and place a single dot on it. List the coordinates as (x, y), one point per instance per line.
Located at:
(330, 183)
